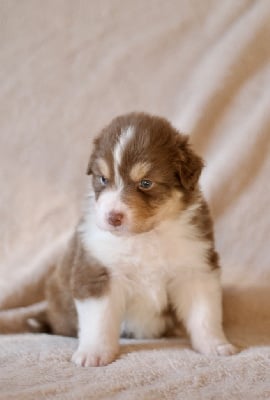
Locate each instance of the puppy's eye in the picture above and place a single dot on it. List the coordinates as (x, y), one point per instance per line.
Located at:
(103, 180)
(145, 184)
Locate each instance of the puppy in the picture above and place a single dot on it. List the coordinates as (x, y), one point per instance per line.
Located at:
(142, 259)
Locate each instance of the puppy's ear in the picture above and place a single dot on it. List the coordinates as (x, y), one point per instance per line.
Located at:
(189, 164)
(89, 166)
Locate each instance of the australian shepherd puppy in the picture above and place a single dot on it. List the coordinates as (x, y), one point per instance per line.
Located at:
(142, 259)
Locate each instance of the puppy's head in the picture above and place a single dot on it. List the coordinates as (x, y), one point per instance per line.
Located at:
(144, 172)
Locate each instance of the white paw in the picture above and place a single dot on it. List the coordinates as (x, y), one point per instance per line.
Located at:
(217, 349)
(93, 358)
(226, 349)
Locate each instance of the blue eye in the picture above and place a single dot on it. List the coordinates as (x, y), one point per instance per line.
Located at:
(146, 184)
(103, 180)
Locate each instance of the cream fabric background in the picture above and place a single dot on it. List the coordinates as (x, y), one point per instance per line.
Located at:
(66, 68)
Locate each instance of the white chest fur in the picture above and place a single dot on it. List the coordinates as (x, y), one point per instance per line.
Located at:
(143, 264)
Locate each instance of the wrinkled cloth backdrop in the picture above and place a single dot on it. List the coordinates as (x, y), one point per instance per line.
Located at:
(68, 67)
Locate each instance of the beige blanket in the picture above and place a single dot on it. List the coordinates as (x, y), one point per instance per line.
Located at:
(66, 68)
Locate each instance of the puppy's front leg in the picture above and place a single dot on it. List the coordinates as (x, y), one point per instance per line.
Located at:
(197, 300)
(99, 321)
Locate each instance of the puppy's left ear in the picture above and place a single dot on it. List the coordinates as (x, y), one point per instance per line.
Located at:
(189, 164)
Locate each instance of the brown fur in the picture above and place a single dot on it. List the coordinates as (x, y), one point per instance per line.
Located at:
(203, 221)
(88, 277)
(61, 311)
(77, 276)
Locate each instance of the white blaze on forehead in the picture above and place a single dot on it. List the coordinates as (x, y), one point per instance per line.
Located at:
(119, 149)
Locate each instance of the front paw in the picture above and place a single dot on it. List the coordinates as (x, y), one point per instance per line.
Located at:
(216, 349)
(226, 349)
(94, 358)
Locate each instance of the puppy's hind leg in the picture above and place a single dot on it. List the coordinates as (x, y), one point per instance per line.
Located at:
(32, 319)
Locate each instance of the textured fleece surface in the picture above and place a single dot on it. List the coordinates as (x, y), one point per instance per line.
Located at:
(66, 68)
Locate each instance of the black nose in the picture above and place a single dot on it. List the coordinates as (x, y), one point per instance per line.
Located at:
(115, 218)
